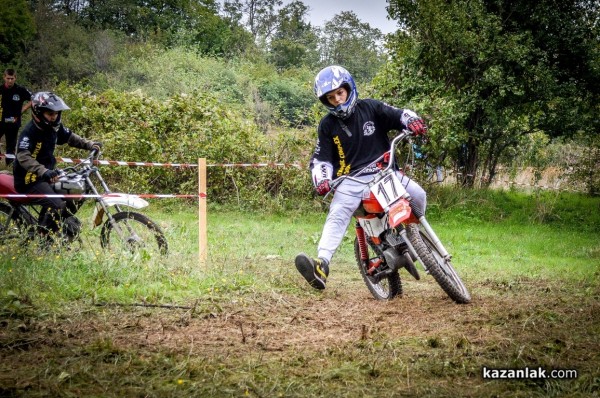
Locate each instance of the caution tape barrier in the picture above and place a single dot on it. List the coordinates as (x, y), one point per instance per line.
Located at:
(175, 165)
(233, 165)
(108, 195)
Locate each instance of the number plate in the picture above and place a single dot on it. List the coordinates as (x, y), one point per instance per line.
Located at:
(388, 190)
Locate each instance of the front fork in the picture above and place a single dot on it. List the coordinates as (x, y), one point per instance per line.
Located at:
(432, 235)
(434, 238)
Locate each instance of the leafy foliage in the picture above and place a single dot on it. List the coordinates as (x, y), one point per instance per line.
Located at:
(289, 98)
(295, 42)
(16, 28)
(182, 129)
(501, 62)
(349, 42)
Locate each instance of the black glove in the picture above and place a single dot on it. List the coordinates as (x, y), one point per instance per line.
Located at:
(49, 175)
(323, 188)
(417, 126)
(96, 146)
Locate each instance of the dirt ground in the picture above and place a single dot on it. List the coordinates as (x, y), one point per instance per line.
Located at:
(526, 323)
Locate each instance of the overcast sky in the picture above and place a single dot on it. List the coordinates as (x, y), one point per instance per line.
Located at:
(370, 11)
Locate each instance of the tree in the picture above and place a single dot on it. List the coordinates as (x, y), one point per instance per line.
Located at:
(260, 16)
(62, 50)
(514, 68)
(294, 43)
(16, 28)
(347, 41)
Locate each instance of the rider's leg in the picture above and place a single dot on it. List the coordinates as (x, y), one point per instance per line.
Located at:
(345, 201)
(417, 193)
(52, 218)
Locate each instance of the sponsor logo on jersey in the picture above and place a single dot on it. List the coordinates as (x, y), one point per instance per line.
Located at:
(369, 128)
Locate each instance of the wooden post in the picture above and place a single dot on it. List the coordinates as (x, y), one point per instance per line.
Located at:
(202, 217)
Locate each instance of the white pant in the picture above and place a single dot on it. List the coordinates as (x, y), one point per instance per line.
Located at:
(346, 200)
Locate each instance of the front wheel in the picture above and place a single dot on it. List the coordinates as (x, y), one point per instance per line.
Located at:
(388, 287)
(441, 269)
(133, 233)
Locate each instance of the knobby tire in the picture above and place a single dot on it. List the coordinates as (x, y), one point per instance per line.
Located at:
(156, 240)
(442, 270)
(388, 287)
(21, 230)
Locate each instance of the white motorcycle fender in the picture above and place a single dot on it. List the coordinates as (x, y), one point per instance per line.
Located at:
(122, 199)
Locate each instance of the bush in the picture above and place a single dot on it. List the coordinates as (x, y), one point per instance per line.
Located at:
(181, 129)
(289, 98)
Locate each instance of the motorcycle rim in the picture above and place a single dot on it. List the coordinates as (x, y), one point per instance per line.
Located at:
(133, 234)
(388, 287)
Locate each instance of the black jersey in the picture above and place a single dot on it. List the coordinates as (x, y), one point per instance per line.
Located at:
(357, 141)
(40, 144)
(12, 102)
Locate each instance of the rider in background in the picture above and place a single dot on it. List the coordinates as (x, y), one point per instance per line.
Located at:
(352, 136)
(34, 166)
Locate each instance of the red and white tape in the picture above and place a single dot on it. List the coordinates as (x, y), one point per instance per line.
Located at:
(108, 195)
(123, 163)
(180, 165)
(296, 165)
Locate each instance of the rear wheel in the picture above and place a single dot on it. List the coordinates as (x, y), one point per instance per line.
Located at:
(133, 233)
(5, 211)
(441, 269)
(388, 287)
(20, 229)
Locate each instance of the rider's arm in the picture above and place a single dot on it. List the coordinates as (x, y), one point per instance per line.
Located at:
(321, 163)
(398, 119)
(77, 141)
(29, 163)
(321, 171)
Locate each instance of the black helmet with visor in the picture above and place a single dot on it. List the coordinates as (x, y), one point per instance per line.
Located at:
(47, 101)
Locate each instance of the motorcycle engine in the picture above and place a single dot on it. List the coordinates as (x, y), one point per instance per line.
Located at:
(70, 184)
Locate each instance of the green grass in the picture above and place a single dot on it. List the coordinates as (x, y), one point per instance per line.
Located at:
(75, 324)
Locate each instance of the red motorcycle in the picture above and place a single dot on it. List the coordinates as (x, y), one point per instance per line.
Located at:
(392, 234)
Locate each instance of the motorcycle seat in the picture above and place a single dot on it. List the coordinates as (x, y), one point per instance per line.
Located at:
(7, 187)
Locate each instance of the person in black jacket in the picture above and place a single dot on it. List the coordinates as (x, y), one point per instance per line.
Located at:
(352, 136)
(34, 167)
(14, 97)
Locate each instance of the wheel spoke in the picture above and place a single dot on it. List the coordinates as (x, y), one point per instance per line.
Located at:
(133, 234)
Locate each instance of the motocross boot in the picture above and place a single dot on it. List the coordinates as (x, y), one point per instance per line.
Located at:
(71, 228)
(315, 271)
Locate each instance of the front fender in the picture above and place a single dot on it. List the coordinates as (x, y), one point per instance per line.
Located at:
(125, 199)
(122, 199)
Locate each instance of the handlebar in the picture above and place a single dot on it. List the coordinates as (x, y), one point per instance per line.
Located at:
(88, 161)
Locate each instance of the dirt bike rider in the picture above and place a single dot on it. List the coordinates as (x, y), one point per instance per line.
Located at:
(353, 135)
(34, 167)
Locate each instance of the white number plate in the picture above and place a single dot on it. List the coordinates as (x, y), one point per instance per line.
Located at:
(388, 190)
